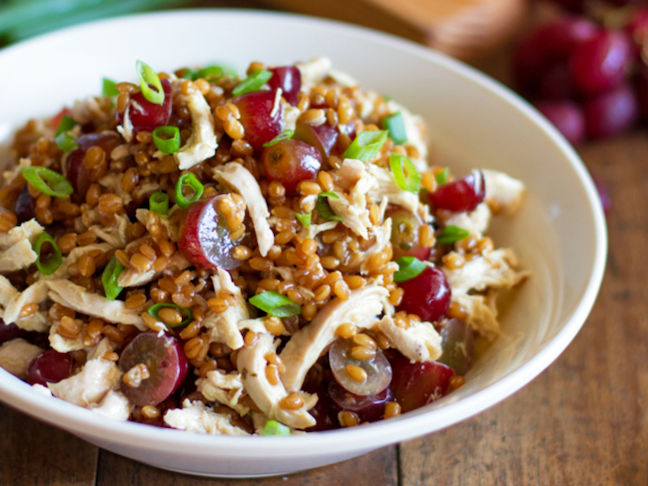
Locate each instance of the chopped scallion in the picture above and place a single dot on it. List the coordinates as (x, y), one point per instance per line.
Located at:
(304, 219)
(159, 203)
(253, 82)
(65, 125)
(452, 234)
(209, 73)
(409, 267)
(167, 139)
(109, 279)
(395, 124)
(366, 145)
(287, 134)
(155, 311)
(324, 209)
(50, 264)
(109, 88)
(272, 427)
(442, 177)
(147, 77)
(405, 174)
(47, 181)
(65, 142)
(190, 181)
(275, 304)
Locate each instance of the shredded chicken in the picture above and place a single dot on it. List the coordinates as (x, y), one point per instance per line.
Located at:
(482, 313)
(18, 256)
(388, 188)
(34, 294)
(504, 190)
(87, 110)
(170, 223)
(224, 388)
(114, 405)
(126, 129)
(202, 143)
(130, 277)
(315, 229)
(419, 342)
(63, 344)
(113, 181)
(90, 385)
(7, 291)
(15, 356)
(223, 327)
(29, 230)
(307, 344)
(251, 363)
(383, 235)
(115, 236)
(242, 181)
(198, 418)
(475, 222)
(313, 71)
(73, 257)
(416, 136)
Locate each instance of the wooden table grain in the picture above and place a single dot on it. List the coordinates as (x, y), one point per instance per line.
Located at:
(581, 422)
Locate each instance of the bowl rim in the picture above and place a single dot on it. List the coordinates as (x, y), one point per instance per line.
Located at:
(20, 395)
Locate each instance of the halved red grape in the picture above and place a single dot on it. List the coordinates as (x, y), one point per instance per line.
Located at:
(460, 195)
(379, 373)
(322, 137)
(417, 384)
(50, 367)
(611, 113)
(369, 407)
(166, 363)
(601, 63)
(288, 78)
(567, 117)
(405, 234)
(77, 174)
(291, 162)
(25, 206)
(427, 295)
(146, 116)
(458, 345)
(205, 238)
(257, 118)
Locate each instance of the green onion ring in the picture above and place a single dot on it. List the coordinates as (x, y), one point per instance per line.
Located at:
(366, 145)
(54, 261)
(409, 267)
(272, 427)
(395, 124)
(405, 174)
(159, 203)
(253, 82)
(109, 279)
(147, 76)
(167, 139)
(287, 134)
(47, 181)
(190, 181)
(275, 304)
(109, 88)
(155, 311)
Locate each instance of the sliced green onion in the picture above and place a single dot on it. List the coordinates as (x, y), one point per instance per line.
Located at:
(275, 304)
(451, 234)
(159, 203)
(272, 427)
(109, 88)
(409, 267)
(253, 82)
(366, 145)
(324, 209)
(65, 142)
(167, 139)
(209, 72)
(442, 177)
(155, 311)
(147, 76)
(50, 264)
(287, 134)
(109, 279)
(65, 125)
(47, 181)
(190, 181)
(395, 125)
(304, 219)
(405, 174)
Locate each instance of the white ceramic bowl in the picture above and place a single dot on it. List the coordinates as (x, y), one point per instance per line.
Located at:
(473, 122)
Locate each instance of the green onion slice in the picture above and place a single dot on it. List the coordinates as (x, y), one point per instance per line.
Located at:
(275, 304)
(159, 203)
(109, 279)
(155, 311)
(409, 267)
(209, 73)
(272, 427)
(49, 265)
(366, 145)
(65, 142)
(147, 76)
(324, 209)
(109, 88)
(66, 124)
(442, 177)
(190, 181)
(47, 181)
(304, 219)
(405, 174)
(253, 82)
(167, 139)
(395, 125)
(451, 234)
(287, 134)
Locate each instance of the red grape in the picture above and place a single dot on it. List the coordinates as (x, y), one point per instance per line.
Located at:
(458, 345)
(601, 63)
(427, 295)
(166, 363)
(611, 113)
(288, 78)
(369, 407)
(417, 384)
(25, 206)
(460, 195)
(79, 176)
(322, 137)
(291, 162)
(146, 116)
(10, 331)
(324, 411)
(405, 234)
(50, 367)
(556, 83)
(567, 117)
(379, 373)
(205, 237)
(256, 117)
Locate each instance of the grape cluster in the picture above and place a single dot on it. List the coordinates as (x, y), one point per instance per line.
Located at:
(589, 80)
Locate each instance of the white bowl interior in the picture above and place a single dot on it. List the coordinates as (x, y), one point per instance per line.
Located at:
(559, 234)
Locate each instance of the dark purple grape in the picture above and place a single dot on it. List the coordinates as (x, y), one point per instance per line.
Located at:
(10, 331)
(379, 373)
(426, 295)
(368, 407)
(460, 195)
(458, 345)
(50, 367)
(291, 162)
(323, 137)
(611, 113)
(288, 78)
(324, 411)
(25, 205)
(260, 123)
(556, 83)
(567, 117)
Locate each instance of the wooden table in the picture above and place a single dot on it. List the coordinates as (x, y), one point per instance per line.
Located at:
(582, 422)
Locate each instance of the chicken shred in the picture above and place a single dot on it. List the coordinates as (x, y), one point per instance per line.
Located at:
(202, 143)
